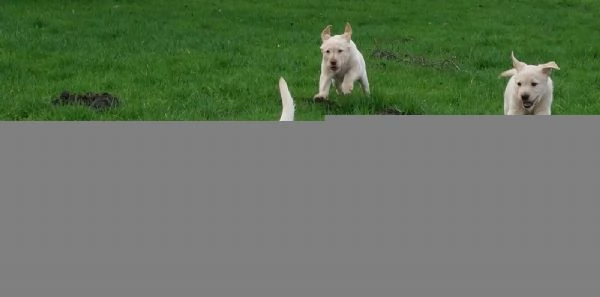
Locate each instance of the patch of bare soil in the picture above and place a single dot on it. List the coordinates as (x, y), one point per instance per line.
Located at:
(97, 101)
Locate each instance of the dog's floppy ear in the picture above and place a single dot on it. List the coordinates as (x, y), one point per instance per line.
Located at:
(547, 67)
(509, 73)
(518, 65)
(326, 34)
(348, 32)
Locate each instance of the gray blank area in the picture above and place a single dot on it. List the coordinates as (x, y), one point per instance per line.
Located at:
(353, 206)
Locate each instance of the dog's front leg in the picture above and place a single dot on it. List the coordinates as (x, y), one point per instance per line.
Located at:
(348, 83)
(324, 85)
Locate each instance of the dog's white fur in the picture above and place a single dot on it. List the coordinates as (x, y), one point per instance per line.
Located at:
(288, 107)
(342, 64)
(529, 89)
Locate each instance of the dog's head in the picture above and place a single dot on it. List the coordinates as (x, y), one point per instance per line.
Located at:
(531, 80)
(336, 49)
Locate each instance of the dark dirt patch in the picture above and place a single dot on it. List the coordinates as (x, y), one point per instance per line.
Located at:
(386, 55)
(322, 101)
(97, 101)
(412, 59)
(391, 111)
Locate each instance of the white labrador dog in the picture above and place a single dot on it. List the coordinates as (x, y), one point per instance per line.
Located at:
(342, 64)
(529, 89)
(288, 108)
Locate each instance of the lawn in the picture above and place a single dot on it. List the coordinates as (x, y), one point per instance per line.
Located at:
(221, 60)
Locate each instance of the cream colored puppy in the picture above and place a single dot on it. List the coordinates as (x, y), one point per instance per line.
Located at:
(288, 108)
(529, 89)
(342, 64)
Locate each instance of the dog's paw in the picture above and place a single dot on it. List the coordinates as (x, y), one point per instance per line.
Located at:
(320, 98)
(346, 89)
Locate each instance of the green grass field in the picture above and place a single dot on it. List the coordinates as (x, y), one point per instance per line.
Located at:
(221, 60)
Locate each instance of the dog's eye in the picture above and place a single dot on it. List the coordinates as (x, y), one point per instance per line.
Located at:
(339, 51)
(533, 84)
(327, 51)
(519, 84)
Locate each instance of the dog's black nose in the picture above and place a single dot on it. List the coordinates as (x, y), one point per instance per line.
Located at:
(333, 63)
(525, 97)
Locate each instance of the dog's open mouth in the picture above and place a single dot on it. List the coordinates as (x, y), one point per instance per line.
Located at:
(527, 104)
(333, 68)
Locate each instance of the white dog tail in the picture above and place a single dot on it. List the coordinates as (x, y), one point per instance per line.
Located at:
(509, 73)
(288, 110)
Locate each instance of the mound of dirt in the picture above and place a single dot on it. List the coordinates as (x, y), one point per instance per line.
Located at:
(382, 54)
(391, 111)
(95, 100)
